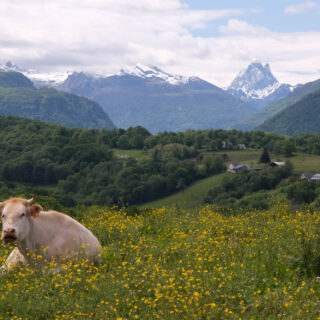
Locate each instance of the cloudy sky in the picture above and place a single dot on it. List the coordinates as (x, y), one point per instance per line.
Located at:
(207, 38)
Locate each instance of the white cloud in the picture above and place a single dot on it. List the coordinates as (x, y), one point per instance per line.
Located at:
(293, 56)
(300, 7)
(235, 26)
(97, 33)
(105, 35)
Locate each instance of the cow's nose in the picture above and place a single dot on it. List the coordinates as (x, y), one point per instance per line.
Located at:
(10, 231)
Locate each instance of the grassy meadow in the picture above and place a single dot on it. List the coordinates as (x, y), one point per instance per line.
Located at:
(180, 264)
(301, 162)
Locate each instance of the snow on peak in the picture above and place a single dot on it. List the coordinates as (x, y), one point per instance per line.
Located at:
(48, 79)
(40, 78)
(145, 72)
(55, 78)
(256, 81)
(9, 66)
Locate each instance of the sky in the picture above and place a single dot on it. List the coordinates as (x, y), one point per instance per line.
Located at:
(210, 39)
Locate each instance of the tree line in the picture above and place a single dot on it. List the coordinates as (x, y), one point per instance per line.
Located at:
(79, 166)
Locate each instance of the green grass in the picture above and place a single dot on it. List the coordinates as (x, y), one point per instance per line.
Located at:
(306, 162)
(175, 264)
(137, 154)
(190, 197)
(248, 156)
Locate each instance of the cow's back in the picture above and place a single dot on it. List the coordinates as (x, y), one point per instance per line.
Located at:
(65, 237)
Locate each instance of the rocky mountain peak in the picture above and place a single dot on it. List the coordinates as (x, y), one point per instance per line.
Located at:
(255, 82)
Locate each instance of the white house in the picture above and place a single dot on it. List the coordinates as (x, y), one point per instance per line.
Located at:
(315, 177)
(242, 146)
(306, 175)
(237, 168)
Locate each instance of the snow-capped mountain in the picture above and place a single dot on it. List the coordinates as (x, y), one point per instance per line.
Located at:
(40, 79)
(149, 72)
(158, 100)
(54, 79)
(161, 101)
(257, 84)
(151, 78)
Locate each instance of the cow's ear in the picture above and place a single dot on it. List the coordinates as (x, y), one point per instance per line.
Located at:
(35, 210)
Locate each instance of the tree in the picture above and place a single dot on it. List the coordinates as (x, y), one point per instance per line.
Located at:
(289, 148)
(265, 157)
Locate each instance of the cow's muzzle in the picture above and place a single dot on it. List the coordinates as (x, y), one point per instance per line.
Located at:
(9, 236)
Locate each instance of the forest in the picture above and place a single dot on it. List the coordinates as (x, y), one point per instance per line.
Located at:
(80, 166)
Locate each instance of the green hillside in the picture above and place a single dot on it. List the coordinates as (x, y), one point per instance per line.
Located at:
(276, 107)
(191, 197)
(53, 106)
(301, 117)
(78, 166)
(299, 93)
(19, 98)
(133, 167)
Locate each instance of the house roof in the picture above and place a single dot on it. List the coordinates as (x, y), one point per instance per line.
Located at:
(236, 165)
(278, 163)
(307, 175)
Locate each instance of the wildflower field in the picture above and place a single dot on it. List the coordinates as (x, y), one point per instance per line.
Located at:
(175, 264)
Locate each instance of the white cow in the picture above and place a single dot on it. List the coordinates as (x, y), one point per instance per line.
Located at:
(50, 234)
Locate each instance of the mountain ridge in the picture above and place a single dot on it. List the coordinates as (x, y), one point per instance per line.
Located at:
(157, 100)
(18, 97)
(301, 117)
(161, 101)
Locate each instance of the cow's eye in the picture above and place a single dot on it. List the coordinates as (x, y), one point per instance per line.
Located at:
(22, 215)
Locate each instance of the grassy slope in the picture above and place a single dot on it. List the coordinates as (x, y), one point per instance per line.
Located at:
(190, 197)
(193, 196)
(170, 265)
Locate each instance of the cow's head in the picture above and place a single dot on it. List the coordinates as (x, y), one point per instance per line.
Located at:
(16, 215)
